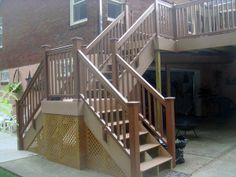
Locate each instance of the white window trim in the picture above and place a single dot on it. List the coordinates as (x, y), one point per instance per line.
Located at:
(72, 14)
(7, 80)
(1, 29)
(116, 1)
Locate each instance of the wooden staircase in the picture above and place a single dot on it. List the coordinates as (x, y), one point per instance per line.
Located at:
(106, 76)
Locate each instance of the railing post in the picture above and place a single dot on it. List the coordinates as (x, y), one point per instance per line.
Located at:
(19, 118)
(133, 109)
(45, 57)
(170, 127)
(115, 73)
(127, 21)
(174, 21)
(157, 17)
(77, 43)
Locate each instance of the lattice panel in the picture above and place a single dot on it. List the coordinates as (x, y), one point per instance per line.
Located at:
(61, 134)
(98, 159)
(59, 142)
(38, 144)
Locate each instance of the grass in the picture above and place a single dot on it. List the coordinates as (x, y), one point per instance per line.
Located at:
(6, 173)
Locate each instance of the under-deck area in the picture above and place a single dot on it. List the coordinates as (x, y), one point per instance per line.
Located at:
(213, 152)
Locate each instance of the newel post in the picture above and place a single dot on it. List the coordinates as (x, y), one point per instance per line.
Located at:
(170, 126)
(77, 43)
(20, 145)
(174, 21)
(45, 49)
(157, 25)
(115, 74)
(127, 20)
(133, 108)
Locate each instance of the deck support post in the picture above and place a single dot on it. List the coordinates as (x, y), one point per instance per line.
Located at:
(77, 43)
(170, 127)
(158, 87)
(133, 109)
(168, 81)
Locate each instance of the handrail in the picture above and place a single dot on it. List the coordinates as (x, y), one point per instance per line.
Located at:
(134, 26)
(141, 79)
(59, 49)
(30, 85)
(105, 31)
(103, 79)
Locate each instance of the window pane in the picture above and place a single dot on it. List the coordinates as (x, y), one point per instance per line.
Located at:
(4, 76)
(1, 31)
(80, 11)
(114, 9)
(0, 39)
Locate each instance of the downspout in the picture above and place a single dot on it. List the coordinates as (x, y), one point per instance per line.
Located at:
(100, 19)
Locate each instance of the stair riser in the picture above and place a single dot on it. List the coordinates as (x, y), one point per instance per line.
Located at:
(142, 140)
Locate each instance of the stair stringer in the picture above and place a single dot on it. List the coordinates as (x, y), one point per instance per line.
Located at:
(141, 63)
(117, 153)
(145, 58)
(33, 130)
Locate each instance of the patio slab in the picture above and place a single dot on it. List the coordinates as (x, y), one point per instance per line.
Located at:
(192, 163)
(38, 166)
(8, 148)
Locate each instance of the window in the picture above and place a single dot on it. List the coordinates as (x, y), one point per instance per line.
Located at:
(114, 9)
(78, 11)
(4, 76)
(1, 32)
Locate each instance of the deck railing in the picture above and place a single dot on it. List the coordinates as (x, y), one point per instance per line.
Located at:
(98, 51)
(30, 102)
(111, 108)
(164, 19)
(129, 45)
(135, 88)
(205, 17)
(60, 73)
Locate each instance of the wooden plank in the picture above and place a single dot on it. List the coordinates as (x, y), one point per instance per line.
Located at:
(154, 163)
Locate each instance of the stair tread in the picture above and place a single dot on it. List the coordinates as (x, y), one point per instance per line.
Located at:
(120, 122)
(145, 147)
(113, 110)
(127, 135)
(144, 166)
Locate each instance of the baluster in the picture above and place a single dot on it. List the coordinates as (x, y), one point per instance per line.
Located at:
(232, 12)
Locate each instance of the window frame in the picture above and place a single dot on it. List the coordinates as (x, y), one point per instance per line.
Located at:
(1, 32)
(72, 22)
(118, 2)
(7, 73)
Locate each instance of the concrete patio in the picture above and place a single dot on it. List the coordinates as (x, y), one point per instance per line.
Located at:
(211, 154)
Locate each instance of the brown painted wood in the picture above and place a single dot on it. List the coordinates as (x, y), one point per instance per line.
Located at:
(170, 127)
(133, 108)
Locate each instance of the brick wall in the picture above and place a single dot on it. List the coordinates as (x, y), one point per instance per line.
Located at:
(28, 24)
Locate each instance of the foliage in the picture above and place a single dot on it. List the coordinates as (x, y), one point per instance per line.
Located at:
(14, 87)
(6, 96)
